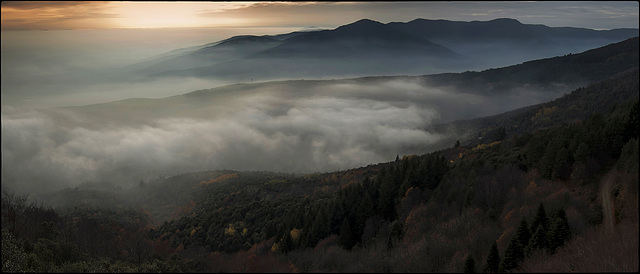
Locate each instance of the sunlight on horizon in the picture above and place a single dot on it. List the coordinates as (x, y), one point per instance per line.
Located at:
(181, 14)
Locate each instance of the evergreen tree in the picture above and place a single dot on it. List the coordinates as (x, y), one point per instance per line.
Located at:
(559, 232)
(582, 153)
(523, 234)
(395, 230)
(469, 265)
(632, 123)
(365, 209)
(512, 256)
(547, 162)
(346, 235)
(493, 260)
(541, 218)
(628, 160)
(538, 239)
(561, 166)
(387, 199)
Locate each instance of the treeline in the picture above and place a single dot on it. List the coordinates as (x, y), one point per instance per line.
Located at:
(299, 221)
(545, 234)
(36, 238)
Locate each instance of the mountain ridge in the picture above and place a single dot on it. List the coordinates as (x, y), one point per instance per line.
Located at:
(367, 47)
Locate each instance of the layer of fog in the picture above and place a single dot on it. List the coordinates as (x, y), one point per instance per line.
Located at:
(296, 126)
(293, 126)
(76, 67)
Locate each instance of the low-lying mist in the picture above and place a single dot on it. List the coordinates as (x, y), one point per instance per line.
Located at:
(300, 126)
(289, 126)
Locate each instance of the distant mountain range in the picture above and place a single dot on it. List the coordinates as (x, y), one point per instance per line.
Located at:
(367, 47)
(530, 83)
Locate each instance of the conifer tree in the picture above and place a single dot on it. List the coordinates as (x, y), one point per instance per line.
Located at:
(538, 239)
(493, 260)
(561, 164)
(512, 256)
(346, 235)
(469, 265)
(582, 153)
(547, 162)
(559, 232)
(387, 199)
(541, 218)
(365, 209)
(523, 234)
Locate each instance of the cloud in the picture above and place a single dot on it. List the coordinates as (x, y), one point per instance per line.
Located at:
(22, 15)
(266, 130)
(71, 14)
(288, 126)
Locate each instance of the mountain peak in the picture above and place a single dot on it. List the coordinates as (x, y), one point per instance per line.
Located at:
(505, 21)
(362, 24)
(366, 21)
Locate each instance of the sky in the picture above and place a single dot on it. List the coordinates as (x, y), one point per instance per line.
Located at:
(51, 15)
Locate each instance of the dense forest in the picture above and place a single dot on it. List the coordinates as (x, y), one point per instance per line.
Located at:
(553, 187)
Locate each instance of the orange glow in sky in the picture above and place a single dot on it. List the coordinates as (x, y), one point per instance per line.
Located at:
(89, 15)
(182, 14)
(38, 15)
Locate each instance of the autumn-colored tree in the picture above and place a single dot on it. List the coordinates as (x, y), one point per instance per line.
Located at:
(286, 243)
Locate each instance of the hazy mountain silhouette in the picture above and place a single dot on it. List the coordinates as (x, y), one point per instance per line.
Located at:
(367, 47)
(364, 37)
(541, 80)
(213, 53)
(505, 41)
(504, 28)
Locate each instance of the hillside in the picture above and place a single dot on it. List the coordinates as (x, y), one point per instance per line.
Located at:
(578, 69)
(571, 108)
